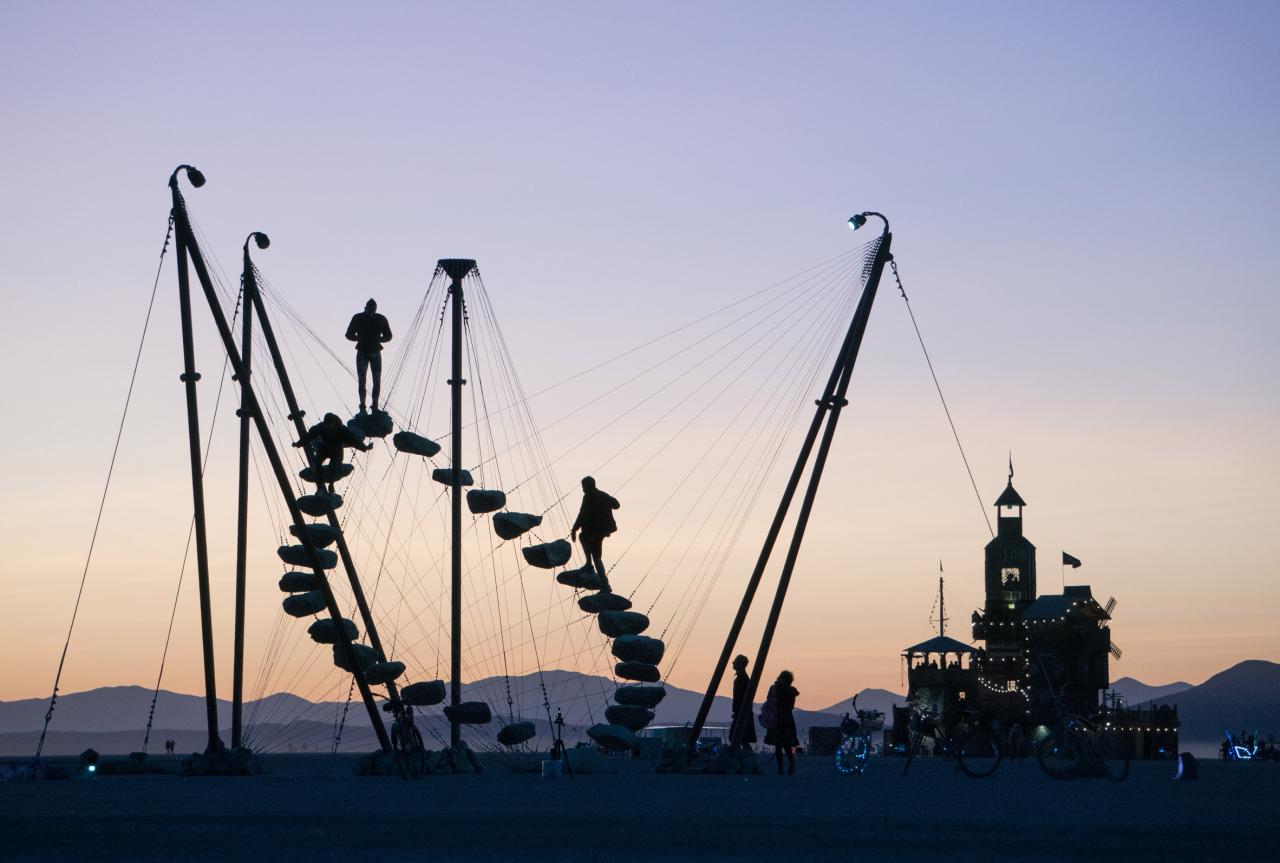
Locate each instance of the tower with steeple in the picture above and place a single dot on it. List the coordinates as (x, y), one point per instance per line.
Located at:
(1027, 646)
(1010, 559)
(1010, 580)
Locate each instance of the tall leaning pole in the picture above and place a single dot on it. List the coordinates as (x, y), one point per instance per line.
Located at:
(189, 254)
(242, 497)
(189, 378)
(456, 269)
(825, 418)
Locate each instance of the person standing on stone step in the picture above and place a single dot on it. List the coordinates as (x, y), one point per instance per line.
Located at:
(594, 522)
(782, 736)
(370, 331)
(742, 728)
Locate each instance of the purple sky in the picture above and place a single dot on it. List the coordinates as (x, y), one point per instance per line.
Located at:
(1082, 198)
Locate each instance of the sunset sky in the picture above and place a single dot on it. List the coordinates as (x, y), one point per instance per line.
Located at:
(1082, 199)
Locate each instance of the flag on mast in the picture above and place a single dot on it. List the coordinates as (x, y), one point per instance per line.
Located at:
(1071, 561)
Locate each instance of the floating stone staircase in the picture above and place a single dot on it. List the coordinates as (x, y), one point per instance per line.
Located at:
(638, 655)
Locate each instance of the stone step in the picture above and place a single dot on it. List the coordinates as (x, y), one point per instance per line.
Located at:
(509, 525)
(415, 444)
(483, 500)
(320, 504)
(296, 555)
(595, 603)
(583, 578)
(324, 631)
(641, 672)
(638, 648)
(616, 623)
(300, 582)
(548, 555)
(322, 535)
(328, 472)
(423, 694)
(444, 476)
(517, 733)
(304, 604)
(639, 696)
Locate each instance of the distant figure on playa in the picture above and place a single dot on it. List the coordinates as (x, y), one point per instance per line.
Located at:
(742, 728)
(327, 438)
(1016, 741)
(594, 522)
(782, 736)
(370, 331)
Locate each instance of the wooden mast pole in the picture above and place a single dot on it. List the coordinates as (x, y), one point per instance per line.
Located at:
(242, 502)
(457, 269)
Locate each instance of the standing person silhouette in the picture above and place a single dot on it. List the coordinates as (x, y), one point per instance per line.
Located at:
(742, 728)
(783, 735)
(595, 522)
(369, 330)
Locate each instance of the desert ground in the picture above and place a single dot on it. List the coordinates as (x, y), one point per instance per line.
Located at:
(313, 807)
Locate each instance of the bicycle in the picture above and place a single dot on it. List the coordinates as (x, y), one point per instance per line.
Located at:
(406, 740)
(976, 750)
(1076, 747)
(855, 748)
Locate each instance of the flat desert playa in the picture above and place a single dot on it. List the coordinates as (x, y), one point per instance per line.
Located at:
(312, 807)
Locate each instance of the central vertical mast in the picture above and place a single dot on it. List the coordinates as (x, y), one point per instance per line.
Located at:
(942, 609)
(456, 269)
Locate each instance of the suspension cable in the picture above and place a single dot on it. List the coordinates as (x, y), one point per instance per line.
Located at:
(955, 434)
(97, 522)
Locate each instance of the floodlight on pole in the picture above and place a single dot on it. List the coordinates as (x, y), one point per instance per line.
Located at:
(858, 220)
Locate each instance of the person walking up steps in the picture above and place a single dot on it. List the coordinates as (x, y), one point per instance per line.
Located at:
(779, 709)
(370, 331)
(594, 522)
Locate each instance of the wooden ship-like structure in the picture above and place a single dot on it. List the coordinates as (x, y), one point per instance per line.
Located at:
(1028, 646)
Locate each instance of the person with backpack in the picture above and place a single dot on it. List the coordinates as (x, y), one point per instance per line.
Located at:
(778, 718)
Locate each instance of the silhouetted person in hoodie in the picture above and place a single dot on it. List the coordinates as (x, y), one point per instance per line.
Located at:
(369, 330)
(783, 733)
(594, 522)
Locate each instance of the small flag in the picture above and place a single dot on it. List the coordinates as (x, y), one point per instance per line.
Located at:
(1068, 560)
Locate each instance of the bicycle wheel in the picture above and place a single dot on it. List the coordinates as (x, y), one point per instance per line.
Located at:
(1059, 756)
(1113, 753)
(978, 754)
(852, 755)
